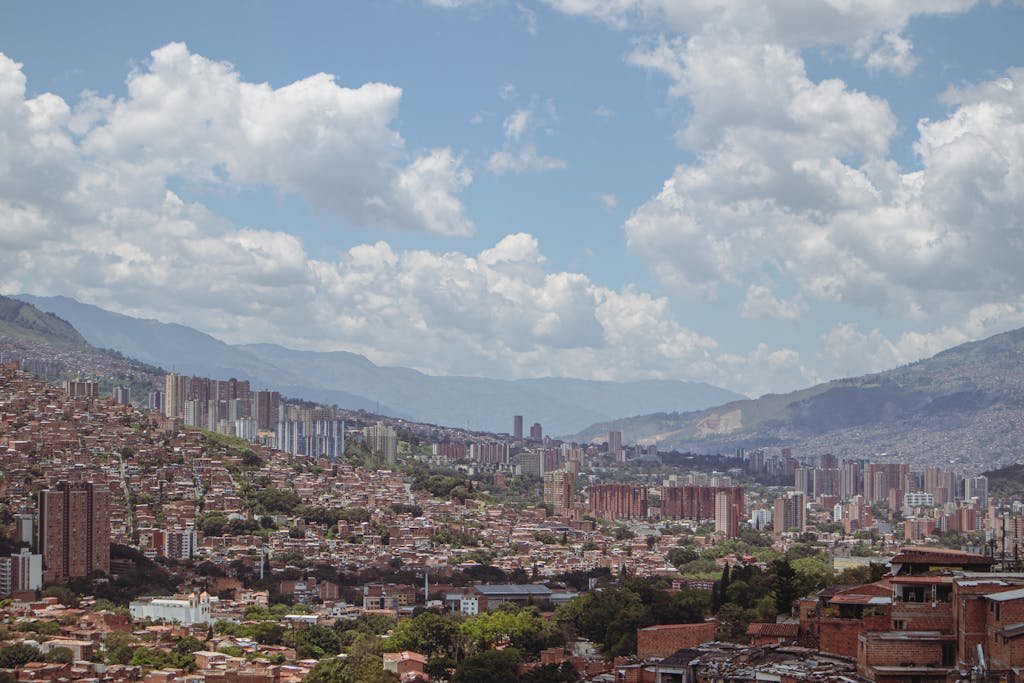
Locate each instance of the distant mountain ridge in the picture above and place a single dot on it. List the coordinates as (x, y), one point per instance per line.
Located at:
(24, 321)
(51, 347)
(353, 381)
(962, 404)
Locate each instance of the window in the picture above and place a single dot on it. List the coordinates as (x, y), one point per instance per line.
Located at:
(947, 654)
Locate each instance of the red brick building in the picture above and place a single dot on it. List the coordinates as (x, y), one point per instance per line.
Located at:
(665, 639)
(74, 530)
(773, 634)
(698, 502)
(617, 501)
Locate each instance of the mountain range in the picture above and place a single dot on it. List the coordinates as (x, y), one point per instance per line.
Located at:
(24, 322)
(964, 405)
(353, 381)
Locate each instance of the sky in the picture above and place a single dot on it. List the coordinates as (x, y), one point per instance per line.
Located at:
(760, 194)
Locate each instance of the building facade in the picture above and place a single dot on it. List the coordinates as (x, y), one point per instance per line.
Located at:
(74, 530)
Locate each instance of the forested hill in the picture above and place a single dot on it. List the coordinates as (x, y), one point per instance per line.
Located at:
(965, 404)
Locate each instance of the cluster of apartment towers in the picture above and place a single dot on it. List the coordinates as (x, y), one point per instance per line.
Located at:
(231, 407)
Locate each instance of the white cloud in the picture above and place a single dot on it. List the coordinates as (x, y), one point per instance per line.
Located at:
(770, 145)
(866, 27)
(90, 214)
(192, 118)
(603, 112)
(893, 53)
(849, 351)
(530, 17)
(761, 303)
(522, 159)
(794, 176)
(515, 125)
(609, 200)
(519, 154)
(508, 91)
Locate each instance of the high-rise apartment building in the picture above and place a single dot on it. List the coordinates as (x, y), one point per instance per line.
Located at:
(536, 432)
(452, 451)
(615, 446)
(697, 502)
(176, 392)
(20, 573)
(789, 513)
(880, 478)
(316, 436)
(531, 462)
(74, 530)
(25, 529)
(82, 388)
(495, 453)
(617, 501)
(517, 427)
(383, 439)
(727, 515)
(558, 491)
(976, 487)
(122, 396)
(267, 405)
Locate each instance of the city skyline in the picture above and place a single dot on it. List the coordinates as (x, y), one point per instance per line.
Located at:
(754, 195)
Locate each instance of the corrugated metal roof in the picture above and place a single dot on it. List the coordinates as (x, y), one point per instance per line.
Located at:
(512, 589)
(1007, 595)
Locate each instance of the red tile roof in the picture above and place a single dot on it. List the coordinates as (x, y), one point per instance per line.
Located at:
(770, 630)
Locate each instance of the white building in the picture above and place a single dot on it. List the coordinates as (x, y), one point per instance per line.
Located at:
(760, 518)
(918, 499)
(21, 573)
(468, 605)
(183, 609)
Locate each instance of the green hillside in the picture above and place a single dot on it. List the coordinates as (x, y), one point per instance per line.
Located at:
(1006, 481)
(961, 405)
(24, 321)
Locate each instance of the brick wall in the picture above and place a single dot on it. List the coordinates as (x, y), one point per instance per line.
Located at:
(921, 616)
(839, 636)
(892, 649)
(1003, 652)
(664, 640)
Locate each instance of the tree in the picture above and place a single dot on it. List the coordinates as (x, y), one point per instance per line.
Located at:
(313, 642)
(732, 623)
(427, 633)
(328, 671)
(681, 555)
(551, 673)
(784, 586)
(17, 655)
(493, 666)
(60, 655)
(522, 629)
(118, 648)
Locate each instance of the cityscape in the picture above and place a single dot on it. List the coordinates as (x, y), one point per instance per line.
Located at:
(512, 341)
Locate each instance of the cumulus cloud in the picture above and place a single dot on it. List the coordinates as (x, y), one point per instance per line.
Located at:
(870, 29)
(189, 117)
(893, 53)
(794, 176)
(519, 153)
(87, 210)
(761, 303)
